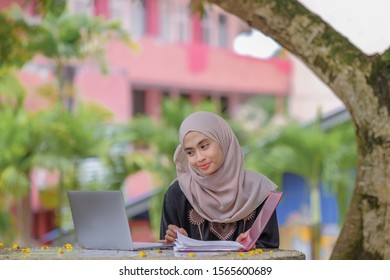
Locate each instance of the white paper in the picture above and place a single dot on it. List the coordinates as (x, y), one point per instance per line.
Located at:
(186, 244)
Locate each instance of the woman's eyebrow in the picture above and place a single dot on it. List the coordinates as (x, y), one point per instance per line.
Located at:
(200, 143)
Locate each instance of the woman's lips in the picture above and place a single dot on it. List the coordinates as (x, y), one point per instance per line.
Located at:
(204, 166)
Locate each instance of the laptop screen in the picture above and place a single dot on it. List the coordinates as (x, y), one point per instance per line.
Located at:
(100, 220)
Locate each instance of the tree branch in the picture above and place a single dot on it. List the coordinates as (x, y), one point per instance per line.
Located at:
(386, 56)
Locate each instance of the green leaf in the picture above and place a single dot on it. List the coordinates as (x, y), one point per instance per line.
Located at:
(14, 181)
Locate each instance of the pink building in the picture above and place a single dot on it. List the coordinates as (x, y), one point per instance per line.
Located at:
(181, 55)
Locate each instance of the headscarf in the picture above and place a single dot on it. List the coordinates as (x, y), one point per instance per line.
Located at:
(229, 194)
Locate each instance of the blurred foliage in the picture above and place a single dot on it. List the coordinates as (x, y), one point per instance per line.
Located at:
(7, 227)
(54, 139)
(50, 139)
(64, 134)
(49, 197)
(44, 7)
(198, 7)
(69, 37)
(16, 145)
(64, 38)
(18, 40)
(265, 103)
(312, 153)
(58, 35)
(339, 172)
(11, 90)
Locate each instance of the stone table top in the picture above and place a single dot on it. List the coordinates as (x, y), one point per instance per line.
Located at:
(70, 253)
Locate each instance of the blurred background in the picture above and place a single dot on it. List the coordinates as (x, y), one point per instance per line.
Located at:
(92, 93)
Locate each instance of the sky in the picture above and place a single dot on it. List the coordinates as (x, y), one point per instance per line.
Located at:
(366, 23)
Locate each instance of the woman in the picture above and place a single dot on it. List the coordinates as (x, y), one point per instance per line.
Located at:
(214, 197)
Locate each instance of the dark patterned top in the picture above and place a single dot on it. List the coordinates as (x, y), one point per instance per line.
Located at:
(178, 211)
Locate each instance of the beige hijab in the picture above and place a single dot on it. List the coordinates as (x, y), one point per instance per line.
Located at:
(231, 193)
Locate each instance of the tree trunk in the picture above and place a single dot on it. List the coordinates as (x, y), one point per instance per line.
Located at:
(362, 82)
(366, 232)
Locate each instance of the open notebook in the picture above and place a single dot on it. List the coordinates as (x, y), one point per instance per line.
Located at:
(101, 222)
(186, 244)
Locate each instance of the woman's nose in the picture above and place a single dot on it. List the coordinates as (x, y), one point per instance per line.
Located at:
(199, 156)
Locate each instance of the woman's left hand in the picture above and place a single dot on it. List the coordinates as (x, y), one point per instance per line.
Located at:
(244, 237)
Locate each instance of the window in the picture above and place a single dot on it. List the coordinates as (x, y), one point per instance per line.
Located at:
(83, 6)
(116, 9)
(138, 18)
(164, 18)
(206, 29)
(182, 22)
(185, 96)
(139, 102)
(222, 31)
(224, 101)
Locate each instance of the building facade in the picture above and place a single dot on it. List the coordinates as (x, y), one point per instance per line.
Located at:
(180, 56)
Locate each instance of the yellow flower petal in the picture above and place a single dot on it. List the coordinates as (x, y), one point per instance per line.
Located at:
(44, 247)
(1, 245)
(191, 254)
(26, 250)
(241, 254)
(143, 254)
(68, 246)
(15, 246)
(60, 251)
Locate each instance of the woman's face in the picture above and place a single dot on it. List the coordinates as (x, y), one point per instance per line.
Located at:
(203, 153)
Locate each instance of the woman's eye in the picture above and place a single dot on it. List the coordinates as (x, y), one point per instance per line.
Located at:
(189, 153)
(205, 146)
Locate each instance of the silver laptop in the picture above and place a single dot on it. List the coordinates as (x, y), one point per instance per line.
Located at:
(101, 222)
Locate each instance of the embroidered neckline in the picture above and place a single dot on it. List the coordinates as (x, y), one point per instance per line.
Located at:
(223, 231)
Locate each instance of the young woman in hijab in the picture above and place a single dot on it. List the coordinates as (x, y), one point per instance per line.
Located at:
(214, 197)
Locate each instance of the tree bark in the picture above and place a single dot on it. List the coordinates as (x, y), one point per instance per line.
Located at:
(362, 82)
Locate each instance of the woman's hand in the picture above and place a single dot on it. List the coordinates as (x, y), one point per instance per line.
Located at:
(244, 238)
(171, 235)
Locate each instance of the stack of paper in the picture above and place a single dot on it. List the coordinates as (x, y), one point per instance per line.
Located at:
(186, 244)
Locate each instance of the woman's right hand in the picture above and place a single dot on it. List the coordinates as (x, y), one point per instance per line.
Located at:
(170, 234)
